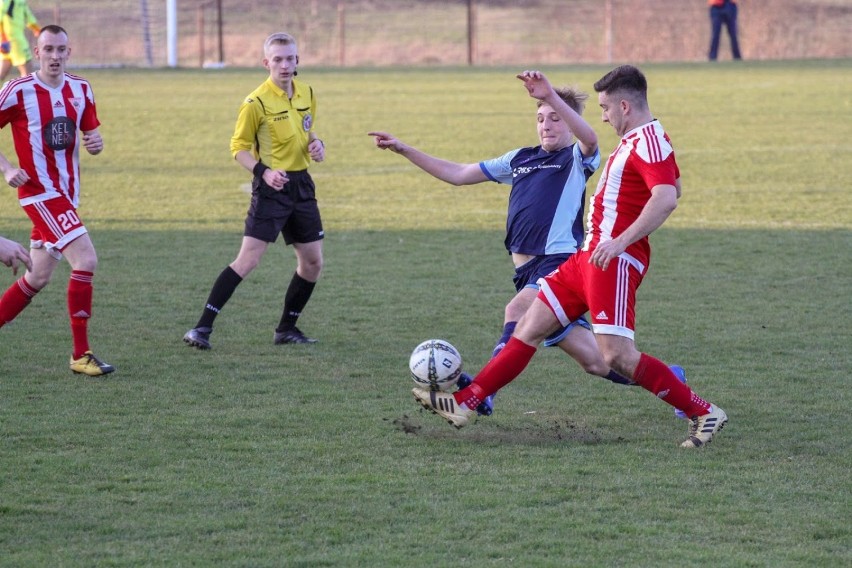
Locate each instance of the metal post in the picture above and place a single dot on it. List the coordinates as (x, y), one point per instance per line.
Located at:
(220, 25)
(608, 31)
(341, 33)
(171, 32)
(200, 25)
(471, 32)
(146, 32)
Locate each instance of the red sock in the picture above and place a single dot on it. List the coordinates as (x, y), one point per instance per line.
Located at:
(17, 297)
(80, 309)
(499, 372)
(655, 376)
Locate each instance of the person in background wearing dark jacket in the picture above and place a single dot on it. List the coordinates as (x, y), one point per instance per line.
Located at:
(723, 12)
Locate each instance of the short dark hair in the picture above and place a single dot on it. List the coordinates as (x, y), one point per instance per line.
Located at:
(54, 29)
(626, 79)
(573, 98)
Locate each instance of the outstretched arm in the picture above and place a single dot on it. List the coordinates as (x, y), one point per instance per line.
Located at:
(444, 170)
(540, 88)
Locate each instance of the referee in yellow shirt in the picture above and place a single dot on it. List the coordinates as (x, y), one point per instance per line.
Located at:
(274, 139)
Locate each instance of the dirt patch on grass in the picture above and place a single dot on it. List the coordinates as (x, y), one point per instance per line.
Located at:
(526, 432)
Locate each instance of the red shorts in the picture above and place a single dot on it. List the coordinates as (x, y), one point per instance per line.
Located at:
(609, 296)
(55, 224)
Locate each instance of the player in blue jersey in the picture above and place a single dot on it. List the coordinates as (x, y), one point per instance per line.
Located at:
(544, 225)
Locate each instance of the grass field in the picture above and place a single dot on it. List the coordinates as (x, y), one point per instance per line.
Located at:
(257, 455)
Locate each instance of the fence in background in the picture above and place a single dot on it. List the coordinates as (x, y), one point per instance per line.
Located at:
(444, 32)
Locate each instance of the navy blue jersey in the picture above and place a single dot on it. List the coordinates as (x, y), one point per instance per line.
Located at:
(546, 201)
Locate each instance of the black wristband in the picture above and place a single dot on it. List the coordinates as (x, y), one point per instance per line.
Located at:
(258, 169)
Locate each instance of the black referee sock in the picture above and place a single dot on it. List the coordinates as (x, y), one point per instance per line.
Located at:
(224, 286)
(298, 294)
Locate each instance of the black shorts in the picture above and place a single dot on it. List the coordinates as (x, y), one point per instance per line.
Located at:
(293, 212)
(537, 267)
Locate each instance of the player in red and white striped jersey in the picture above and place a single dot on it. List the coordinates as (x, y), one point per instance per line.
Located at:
(52, 113)
(637, 191)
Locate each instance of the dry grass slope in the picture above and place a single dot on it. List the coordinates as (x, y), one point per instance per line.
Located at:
(410, 32)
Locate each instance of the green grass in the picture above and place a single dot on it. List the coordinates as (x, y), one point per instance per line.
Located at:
(252, 454)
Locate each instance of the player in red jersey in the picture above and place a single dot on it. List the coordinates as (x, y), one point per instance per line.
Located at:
(637, 191)
(52, 114)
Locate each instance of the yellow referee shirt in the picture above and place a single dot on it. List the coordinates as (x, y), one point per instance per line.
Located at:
(275, 128)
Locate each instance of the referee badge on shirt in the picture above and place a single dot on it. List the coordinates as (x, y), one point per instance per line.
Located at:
(307, 121)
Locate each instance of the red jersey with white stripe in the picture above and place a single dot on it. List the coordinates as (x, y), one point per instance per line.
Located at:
(643, 159)
(46, 122)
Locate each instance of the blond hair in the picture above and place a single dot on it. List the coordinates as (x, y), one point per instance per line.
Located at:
(574, 98)
(278, 38)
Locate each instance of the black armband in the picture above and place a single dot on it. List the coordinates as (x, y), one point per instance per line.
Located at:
(258, 169)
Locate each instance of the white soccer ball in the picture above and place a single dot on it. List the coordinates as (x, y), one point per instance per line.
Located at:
(435, 364)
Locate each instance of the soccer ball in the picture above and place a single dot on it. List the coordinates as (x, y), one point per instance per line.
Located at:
(435, 364)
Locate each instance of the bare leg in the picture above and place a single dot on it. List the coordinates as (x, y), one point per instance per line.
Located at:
(5, 67)
(251, 251)
(309, 260)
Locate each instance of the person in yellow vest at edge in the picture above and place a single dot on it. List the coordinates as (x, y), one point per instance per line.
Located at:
(14, 45)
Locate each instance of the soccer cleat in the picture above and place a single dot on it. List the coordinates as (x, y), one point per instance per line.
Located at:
(464, 381)
(703, 428)
(681, 376)
(443, 404)
(293, 335)
(198, 337)
(486, 407)
(90, 365)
